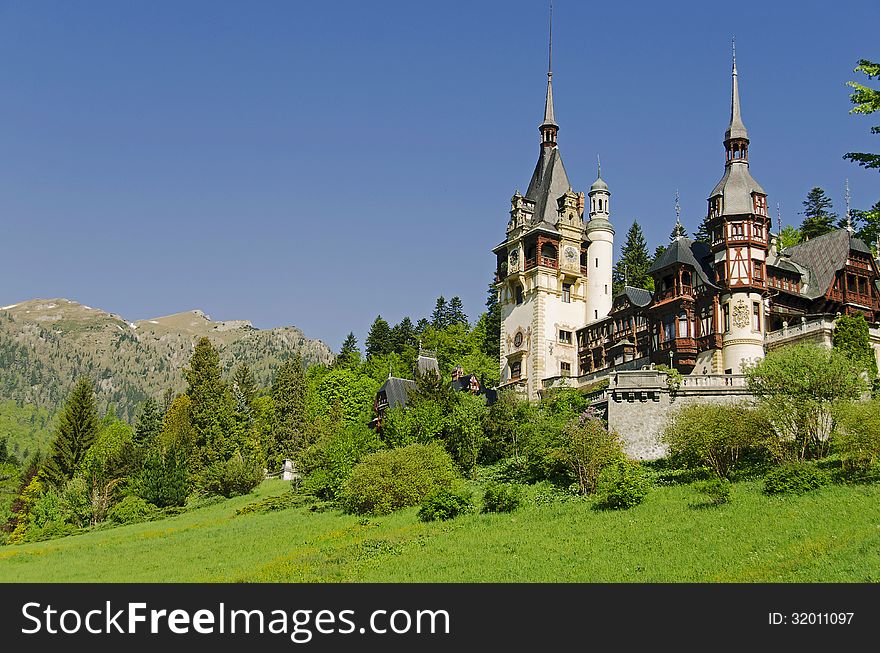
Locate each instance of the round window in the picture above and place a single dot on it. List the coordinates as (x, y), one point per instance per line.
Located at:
(517, 339)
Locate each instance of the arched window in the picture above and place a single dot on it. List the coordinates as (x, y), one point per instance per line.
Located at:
(519, 294)
(548, 251)
(515, 370)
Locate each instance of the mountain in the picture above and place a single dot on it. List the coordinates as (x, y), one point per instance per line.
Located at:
(46, 344)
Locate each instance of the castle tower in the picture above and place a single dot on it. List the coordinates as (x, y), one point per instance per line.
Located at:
(542, 271)
(600, 233)
(739, 227)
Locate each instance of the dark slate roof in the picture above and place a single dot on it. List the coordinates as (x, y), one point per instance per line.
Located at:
(426, 364)
(464, 382)
(396, 391)
(686, 251)
(637, 296)
(736, 188)
(549, 182)
(823, 256)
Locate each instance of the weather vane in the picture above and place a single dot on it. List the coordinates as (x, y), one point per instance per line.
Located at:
(849, 226)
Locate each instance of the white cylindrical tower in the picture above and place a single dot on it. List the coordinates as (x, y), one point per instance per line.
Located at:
(600, 253)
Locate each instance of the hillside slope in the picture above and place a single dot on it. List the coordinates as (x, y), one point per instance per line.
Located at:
(45, 345)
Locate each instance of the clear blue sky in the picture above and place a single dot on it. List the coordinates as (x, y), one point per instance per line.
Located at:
(317, 163)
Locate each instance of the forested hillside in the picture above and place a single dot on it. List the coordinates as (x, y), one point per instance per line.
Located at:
(46, 344)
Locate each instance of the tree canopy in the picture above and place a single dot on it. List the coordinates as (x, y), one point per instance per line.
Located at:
(866, 101)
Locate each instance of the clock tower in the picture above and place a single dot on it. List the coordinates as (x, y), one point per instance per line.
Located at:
(542, 271)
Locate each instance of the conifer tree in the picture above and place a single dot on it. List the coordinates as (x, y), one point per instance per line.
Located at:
(440, 316)
(349, 355)
(632, 267)
(818, 217)
(149, 423)
(455, 312)
(702, 233)
(244, 383)
(378, 342)
(403, 335)
(492, 337)
(289, 396)
(211, 404)
(77, 430)
(866, 101)
(422, 326)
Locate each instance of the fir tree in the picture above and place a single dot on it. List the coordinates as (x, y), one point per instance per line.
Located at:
(818, 218)
(403, 336)
(492, 337)
(378, 341)
(455, 312)
(702, 234)
(678, 230)
(167, 399)
(289, 397)
(149, 423)
(77, 430)
(349, 355)
(244, 383)
(211, 407)
(632, 267)
(422, 326)
(440, 316)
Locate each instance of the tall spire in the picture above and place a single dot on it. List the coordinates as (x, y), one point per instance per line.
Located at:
(677, 231)
(549, 127)
(849, 226)
(736, 129)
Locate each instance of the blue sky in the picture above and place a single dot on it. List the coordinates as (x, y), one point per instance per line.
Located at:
(318, 163)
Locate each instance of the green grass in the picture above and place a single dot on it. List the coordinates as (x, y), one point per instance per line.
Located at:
(832, 534)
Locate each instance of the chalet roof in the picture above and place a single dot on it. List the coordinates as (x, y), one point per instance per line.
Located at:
(636, 296)
(549, 182)
(823, 256)
(427, 363)
(685, 251)
(396, 391)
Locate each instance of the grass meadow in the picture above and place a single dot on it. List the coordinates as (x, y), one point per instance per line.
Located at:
(830, 535)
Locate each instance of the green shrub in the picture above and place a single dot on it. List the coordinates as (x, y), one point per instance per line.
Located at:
(164, 480)
(327, 464)
(131, 510)
(622, 485)
(446, 504)
(387, 480)
(717, 490)
(586, 446)
(858, 439)
(502, 497)
(76, 502)
(271, 504)
(236, 476)
(794, 478)
(712, 435)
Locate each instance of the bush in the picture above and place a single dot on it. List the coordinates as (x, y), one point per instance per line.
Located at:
(131, 510)
(164, 480)
(236, 476)
(712, 435)
(445, 504)
(794, 478)
(587, 447)
(327, 464)
(272, 504)
(502, 497)
(858, 441)
(717, 490)
(623, 485)
(388, 480)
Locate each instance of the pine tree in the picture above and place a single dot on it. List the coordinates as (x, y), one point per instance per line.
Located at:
(678, 230)
(867, 224)
(492, 337)
(289, 397)
(422, 326)
(149, 423)
(77, 430)
(244, 383)
(455, 312)
(632, 267)
(818, 218)
(167, 399)
(440, 316)
(702, 234)
(349, 355)
(403, 336)
(211, 407)
(378, 341)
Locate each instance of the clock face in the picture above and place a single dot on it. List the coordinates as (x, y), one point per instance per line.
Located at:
(514, 255)
(517, 340)
(571, 253)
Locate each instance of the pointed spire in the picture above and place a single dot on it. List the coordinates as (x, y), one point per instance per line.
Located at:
(598, 167)
(678, 230)
(549, 116)
(849, 225)
(736, 129)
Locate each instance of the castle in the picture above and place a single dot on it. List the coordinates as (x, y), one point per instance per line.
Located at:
(715, 306)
